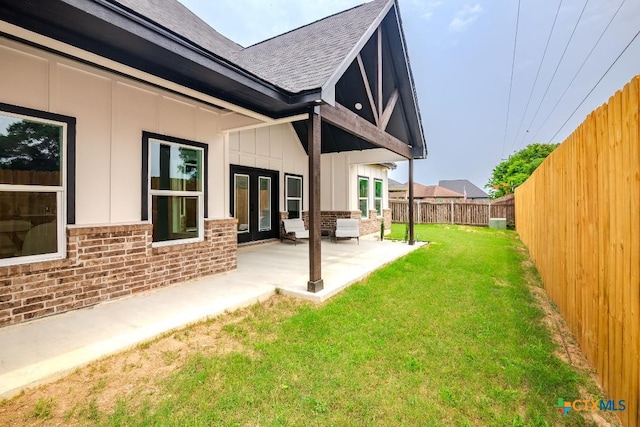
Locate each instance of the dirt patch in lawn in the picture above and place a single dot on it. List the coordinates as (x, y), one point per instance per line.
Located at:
(567, 348)
(79, 398)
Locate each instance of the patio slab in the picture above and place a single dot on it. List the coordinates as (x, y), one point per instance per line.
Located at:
(46, 349)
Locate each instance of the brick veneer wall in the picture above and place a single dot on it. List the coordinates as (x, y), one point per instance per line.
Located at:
(328, 218)
(108, 262)
(369, 225)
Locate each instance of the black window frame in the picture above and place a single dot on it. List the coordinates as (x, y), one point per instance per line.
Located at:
(146, 136)
(286, 192)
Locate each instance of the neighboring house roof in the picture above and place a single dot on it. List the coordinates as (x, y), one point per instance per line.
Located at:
(395, 185)
(433, 191)
(424, 191)
(305, 58)
(460, 185)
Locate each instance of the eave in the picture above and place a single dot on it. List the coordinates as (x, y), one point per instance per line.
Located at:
(111, 31)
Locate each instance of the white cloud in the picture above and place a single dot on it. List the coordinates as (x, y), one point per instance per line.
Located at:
(426, 9)
(465, 17)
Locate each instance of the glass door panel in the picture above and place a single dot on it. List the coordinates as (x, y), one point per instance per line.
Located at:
(241, 203)
(264, 220)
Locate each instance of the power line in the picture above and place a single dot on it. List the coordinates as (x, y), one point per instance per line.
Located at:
(596, 85)
(556, 70)
(578, 72)
(513, 63)
(535, 81)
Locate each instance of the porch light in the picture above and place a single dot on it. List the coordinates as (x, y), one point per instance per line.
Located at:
(358, 106)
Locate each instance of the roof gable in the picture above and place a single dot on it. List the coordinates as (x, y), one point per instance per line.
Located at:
(395, 185)
(305, 58)
(425, 191)
(462, 185)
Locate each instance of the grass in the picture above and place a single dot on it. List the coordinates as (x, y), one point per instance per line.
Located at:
(448, 335)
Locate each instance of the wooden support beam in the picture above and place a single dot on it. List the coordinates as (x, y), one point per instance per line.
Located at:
(388, 110)
(348, 121)
(367, 87)
(315, 283)
(411, 206)
(379, 74)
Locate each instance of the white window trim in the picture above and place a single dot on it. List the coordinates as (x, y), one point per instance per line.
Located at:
(198, 194)
(381, 198)
(287, 197)
(61, 205)
(364, 215)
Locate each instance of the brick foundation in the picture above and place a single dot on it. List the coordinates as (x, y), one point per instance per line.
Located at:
(369, 225)
(109, 262)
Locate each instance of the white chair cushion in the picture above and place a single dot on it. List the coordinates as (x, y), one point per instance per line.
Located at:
(347, 227)
(296, 226)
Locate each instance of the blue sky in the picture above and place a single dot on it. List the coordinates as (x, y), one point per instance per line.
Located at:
(461, 55)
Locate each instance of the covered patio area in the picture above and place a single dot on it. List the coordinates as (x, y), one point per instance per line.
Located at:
(47, 348)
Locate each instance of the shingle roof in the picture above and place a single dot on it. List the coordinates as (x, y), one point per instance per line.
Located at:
(299, 60)
(426, 191)
(395, 185)
(460, 185)
(177, 18)
(306, 57)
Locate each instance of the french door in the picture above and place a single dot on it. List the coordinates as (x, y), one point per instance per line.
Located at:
(254, 202)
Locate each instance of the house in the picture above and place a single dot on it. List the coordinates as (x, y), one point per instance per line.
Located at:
(397, 190)
(432, 193)
(465, 186)
(139, 147)
(435, 193)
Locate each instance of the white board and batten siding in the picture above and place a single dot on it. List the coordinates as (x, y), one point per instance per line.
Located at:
(274, 148)
(340, 172)
(111, 112)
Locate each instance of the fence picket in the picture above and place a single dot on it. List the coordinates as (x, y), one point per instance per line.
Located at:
(579, 216)
(452, 212)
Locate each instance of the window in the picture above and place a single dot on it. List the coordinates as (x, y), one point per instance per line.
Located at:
(294, 196)
(363, 194)
(265, 203)
(33, 186)
(176, 188)
(378, 196)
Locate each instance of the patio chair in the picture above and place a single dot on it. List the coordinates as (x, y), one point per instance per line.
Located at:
(347, 228)
(293, 230)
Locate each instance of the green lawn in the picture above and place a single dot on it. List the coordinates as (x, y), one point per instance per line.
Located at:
(448, 335)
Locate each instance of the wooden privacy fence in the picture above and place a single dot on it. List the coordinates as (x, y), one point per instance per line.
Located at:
(579, 215)
(451, 213)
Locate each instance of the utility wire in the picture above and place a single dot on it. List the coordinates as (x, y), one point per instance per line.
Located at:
(556, 70)
(535, 81)
(513, 63)
(596, 85)
(577, 72)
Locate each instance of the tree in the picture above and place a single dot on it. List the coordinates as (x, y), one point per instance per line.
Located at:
(517, 168)
(30, 146)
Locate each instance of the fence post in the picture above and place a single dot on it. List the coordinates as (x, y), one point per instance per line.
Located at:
(452, 212)
(489, 218)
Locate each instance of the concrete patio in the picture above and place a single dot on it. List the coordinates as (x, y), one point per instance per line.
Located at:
(46, 349)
